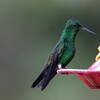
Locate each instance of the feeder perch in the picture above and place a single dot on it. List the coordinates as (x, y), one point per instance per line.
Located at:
(90, 76)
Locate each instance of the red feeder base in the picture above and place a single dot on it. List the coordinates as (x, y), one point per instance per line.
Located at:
(90, 76)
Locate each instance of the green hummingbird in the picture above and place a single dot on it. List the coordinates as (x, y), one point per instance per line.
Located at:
(62, 53)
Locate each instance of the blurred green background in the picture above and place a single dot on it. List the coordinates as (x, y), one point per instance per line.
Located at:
(29, 29)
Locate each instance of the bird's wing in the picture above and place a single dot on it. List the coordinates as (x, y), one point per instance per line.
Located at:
(50, 68)
(56, 53)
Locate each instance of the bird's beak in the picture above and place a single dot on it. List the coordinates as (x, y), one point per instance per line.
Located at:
(85, 29)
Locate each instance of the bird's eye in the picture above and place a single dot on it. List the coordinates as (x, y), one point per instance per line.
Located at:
(74, 25)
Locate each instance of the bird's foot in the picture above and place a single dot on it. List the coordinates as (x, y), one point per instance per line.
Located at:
(60, 67)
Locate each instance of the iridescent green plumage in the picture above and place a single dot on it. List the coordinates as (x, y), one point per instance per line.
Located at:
(62, 53)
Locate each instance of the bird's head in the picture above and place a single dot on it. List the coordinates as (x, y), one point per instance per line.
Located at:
(74, 26)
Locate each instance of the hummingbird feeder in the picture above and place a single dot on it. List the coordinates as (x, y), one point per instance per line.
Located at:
(90, 76)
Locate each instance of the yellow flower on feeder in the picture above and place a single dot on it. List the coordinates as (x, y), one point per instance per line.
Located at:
(98, 56)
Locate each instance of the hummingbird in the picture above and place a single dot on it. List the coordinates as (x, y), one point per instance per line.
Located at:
(61, 54)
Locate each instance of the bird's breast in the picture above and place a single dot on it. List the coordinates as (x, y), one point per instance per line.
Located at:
(67, 55)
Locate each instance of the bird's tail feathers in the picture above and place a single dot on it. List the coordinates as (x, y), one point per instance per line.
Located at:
(45, 76)
(40, 79)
